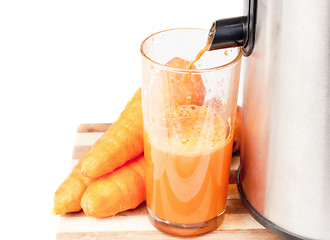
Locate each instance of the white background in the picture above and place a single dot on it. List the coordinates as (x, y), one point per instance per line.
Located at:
(63, 63)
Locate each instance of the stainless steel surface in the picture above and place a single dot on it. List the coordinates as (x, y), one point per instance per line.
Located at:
(285, 168)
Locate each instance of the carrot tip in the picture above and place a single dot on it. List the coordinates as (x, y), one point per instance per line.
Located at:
(58, 210)
(55, 212)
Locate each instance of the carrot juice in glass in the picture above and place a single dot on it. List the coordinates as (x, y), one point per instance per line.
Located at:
(189, 113)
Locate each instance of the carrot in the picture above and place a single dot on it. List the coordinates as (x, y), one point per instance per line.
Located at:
(117, 191)
(237, 130)
(182, 88)
(185, 88)
(68, 195)
(122, 142)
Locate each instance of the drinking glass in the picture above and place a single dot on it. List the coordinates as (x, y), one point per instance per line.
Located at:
(189, 117)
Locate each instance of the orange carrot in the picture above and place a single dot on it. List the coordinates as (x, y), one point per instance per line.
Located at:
(68, 195)
(125, 142)
(185, 88)
(237, 130)
(117, 191)
(122, 142)
(182, 88)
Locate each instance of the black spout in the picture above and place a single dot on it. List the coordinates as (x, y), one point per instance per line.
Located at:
(234, 32)
(231, 32)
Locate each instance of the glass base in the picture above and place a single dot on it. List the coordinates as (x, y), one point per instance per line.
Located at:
(185, 230)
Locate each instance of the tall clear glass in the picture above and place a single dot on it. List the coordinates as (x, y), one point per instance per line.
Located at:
(189, 117)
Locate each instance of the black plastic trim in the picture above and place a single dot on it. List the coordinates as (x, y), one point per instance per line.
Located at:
(229, 32)
(250, 11)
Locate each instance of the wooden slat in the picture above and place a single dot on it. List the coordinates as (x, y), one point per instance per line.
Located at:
(232, 192)
(235, 206)
(239, 234)
(232, 176)
(78, 151)
(134, 224)
(137, 221)
(88, 138)
(93, 127)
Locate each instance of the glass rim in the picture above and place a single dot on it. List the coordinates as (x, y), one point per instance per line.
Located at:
(184, 70)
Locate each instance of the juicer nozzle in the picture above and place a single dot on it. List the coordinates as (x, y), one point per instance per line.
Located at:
(234, 32)
(226, 33)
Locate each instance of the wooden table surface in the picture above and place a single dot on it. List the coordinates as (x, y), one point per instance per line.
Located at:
(134, 224)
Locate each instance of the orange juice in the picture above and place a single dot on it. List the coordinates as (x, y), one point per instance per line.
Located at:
(187, 168)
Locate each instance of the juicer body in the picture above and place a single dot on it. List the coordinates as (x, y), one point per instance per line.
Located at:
(284, 175)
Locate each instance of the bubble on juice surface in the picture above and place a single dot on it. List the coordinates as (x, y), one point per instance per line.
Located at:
(193, 129)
